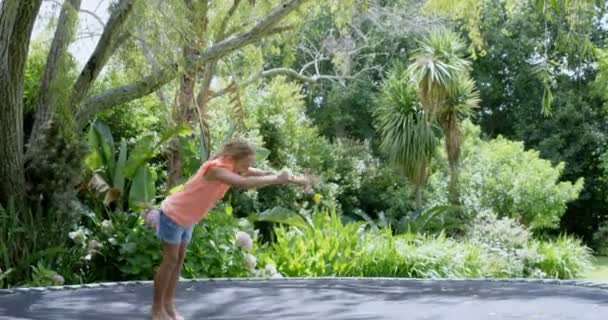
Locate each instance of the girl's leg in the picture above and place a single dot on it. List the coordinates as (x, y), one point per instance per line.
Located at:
(173, 280)
(163, 278)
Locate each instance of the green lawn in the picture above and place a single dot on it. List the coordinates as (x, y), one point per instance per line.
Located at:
(600, 272)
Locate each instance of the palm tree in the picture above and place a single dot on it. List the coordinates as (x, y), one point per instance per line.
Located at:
(446, 91)
(407, 134)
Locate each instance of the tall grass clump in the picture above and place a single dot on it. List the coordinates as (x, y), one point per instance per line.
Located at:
(494, 248)
(325, 248)
(563, 258)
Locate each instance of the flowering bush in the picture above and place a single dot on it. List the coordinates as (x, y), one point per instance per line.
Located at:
(125, 247)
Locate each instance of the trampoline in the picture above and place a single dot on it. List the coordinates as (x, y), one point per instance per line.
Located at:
(327, 298)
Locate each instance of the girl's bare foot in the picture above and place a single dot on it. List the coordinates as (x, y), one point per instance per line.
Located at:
(172, 312)
(161, 315)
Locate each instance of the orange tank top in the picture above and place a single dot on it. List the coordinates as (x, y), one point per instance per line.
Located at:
(193, 202)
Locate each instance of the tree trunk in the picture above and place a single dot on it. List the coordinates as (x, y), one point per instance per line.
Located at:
(418, 198)
(183, 113)
(453, 140)
(16, 23)
(184, 108)
(66, 27)
(454, 196)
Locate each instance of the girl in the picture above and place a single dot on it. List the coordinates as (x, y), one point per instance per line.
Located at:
(182, 210)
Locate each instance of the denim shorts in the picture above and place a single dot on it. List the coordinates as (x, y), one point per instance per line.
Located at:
(170, 232)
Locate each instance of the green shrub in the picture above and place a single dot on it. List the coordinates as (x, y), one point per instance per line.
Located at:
(123, 247)
(564, 258)
(494, 248)
(214, 252)
(502, 176)
(417, 256)
(600, 239)
(328, 248)
(44, 277)
(28, 236)
(120, 248)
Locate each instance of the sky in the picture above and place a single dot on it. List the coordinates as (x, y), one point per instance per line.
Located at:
(89, 28)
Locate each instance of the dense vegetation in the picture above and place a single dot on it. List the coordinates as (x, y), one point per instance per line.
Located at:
(452, 138)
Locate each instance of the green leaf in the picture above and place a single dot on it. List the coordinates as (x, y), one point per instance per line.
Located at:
(180, 131)
(119, 176)
(547, 101)
(142, 189)
(280, 215)
(147, 146)
(143, 150)
(261, 154)
(102, 142)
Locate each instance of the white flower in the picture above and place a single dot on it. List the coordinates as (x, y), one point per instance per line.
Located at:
(251, 261)
(243, 240)
(112, 241)
(270, 270)
(106, 226)
(94, 244)
(78, 236)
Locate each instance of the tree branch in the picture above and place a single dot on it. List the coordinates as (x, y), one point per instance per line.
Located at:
(63, 35)
(103, 51)
(123, 94)
(91, 13)
(282, 71)
(150, 84)
(150, 57)
(222, 31)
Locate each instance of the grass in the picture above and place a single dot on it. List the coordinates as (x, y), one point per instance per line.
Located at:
(600, 270)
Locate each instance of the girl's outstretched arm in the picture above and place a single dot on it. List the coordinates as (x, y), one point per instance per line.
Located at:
(255, 172)
(247, 182)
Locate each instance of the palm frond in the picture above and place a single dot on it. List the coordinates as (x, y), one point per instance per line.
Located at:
(436, 65)
(463, 97)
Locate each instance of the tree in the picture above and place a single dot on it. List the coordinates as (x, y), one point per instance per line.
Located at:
(407, 133)
(446, 91)
(208, 24)
(567, 27)
(575, 133)
(81, 103)
(386, 30)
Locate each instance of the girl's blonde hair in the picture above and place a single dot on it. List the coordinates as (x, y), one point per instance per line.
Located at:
(237, 149)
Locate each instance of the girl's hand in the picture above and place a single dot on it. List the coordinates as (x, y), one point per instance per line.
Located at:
(305, 180)
(284, 177)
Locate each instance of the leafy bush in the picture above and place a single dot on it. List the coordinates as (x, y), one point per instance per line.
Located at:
(124, 247)
(600, 239)
(43, 277)
(121, 174)
(500, 175)
(331, 248)
(564, 258)
(418, 256)
(328, 248)
(28, 236)
(119, 248)
(214, 251)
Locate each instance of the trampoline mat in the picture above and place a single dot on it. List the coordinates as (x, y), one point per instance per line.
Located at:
(319, 299)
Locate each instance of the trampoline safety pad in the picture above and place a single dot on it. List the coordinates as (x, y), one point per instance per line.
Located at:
(319, 299)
